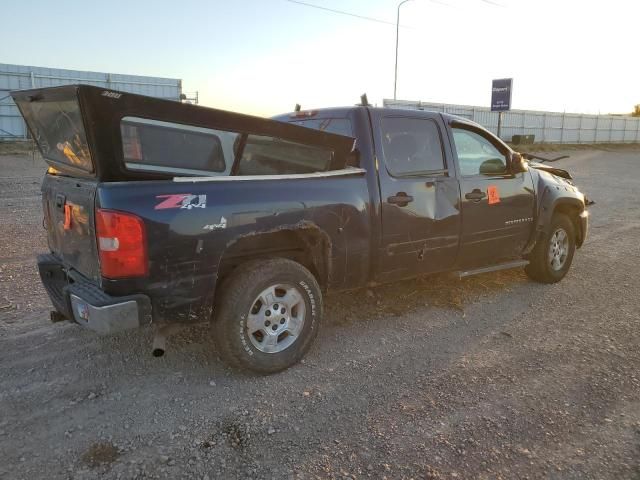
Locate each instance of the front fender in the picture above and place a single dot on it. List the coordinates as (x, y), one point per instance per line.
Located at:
(555, 194)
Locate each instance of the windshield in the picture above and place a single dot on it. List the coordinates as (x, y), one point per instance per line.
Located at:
(58, 130)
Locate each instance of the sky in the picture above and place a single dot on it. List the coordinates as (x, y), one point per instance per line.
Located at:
(264, 56)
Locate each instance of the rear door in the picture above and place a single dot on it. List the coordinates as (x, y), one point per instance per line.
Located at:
(420, 195)
(497, 206)
(68, 191)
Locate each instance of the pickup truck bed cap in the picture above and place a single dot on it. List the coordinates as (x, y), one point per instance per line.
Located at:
(102, 111)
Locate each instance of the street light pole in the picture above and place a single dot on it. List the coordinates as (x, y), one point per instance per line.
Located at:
(395, 78)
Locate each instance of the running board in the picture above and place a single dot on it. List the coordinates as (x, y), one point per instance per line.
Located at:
(492, 268)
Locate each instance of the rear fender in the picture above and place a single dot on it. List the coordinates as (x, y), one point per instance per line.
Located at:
(303, 242)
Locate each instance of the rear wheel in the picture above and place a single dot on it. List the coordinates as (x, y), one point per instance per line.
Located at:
(552, 256)
(268, 315)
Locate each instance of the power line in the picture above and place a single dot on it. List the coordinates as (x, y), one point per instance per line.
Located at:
(377, 20)
(341, 12)
(495, 4)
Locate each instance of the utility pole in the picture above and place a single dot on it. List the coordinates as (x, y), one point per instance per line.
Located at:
(395, 78)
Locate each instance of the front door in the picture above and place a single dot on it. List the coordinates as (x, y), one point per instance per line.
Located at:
(497, 206)
(420, 201)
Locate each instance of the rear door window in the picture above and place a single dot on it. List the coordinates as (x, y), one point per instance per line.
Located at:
(412, 146)
(152, 145)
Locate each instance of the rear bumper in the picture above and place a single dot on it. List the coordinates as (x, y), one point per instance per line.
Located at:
(79, 300)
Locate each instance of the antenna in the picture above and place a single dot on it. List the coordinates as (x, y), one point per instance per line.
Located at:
(297, 107)
(363, 100)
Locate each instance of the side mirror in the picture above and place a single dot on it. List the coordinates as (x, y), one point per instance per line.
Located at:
(516, 163)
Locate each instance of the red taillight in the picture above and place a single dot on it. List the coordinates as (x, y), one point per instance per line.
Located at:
(122, 244)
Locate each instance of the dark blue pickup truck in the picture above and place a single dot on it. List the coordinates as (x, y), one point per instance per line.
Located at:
(166, 213)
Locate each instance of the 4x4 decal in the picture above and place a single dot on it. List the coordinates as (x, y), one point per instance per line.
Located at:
(181, 200)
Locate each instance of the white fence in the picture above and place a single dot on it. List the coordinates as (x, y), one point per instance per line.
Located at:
(19, 77)
(549, 127)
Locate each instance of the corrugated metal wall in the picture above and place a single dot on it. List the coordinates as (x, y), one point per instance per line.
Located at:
(549, 127)
(18, 77)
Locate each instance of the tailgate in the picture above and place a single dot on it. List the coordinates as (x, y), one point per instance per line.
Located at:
(68, 205)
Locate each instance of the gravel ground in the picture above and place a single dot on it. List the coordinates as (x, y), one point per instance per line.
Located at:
(491, 377)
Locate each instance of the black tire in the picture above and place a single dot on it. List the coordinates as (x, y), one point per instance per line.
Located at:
(540, 266)
(236, 345)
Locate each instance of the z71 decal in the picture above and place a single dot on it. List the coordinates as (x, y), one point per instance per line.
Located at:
(181, 200)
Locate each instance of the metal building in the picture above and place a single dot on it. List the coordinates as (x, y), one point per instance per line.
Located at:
(549, 127)
(18, 77)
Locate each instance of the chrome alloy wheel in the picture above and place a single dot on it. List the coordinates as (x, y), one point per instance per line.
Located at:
(558, 249)
(276, 318)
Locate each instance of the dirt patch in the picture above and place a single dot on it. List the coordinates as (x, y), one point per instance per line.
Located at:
(100, 454)
(401, 298)
(18, 148)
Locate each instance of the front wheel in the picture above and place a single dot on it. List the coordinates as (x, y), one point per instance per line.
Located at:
(268, 315)
(551, 258)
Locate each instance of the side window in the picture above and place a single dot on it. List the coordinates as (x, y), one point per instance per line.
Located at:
(152, 145)
(272, 156)
(477, 155)
(411, 146)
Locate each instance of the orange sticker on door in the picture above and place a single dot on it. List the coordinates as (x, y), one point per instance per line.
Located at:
(67, 216)
(493, 194)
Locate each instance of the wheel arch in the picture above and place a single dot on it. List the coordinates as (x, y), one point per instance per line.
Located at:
(572, 210)
(304, 243)
(552, 201)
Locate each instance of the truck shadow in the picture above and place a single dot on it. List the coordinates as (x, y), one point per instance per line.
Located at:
(193, 344)
(400, 298)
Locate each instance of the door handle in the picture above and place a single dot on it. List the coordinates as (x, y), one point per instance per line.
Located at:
(60, 200)
(401, 199)
(476, 195)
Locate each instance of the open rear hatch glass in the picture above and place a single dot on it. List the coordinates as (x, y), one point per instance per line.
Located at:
(56, 124)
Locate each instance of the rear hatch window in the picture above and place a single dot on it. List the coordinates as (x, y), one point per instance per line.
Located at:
(57, 128)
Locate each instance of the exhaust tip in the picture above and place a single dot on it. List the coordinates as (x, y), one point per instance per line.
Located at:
(55, 316)
(158, 352)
